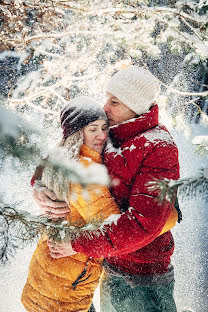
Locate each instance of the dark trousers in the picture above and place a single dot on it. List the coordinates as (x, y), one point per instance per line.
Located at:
(118, 296)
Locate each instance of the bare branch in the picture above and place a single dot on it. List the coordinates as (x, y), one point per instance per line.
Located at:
(195, 104)
(201, 84)
(177, 13)
(173, 90)
(190, 27)
(37, 108)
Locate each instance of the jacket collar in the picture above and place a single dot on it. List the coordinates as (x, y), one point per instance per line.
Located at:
(87, 152)
(132, 127)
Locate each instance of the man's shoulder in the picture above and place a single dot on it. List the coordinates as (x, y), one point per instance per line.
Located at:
(141, 144)
(157, 133)
(157, 136)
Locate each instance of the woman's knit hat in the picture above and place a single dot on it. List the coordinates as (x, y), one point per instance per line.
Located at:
(79, 113)
(135, 87)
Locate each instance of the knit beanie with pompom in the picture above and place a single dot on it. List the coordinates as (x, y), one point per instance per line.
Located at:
(79, 113)
(135, 87)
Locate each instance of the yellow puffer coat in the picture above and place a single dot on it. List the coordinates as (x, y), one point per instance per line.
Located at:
(68, 284)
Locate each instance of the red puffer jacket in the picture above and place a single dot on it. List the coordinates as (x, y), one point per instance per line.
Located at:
(145, 150)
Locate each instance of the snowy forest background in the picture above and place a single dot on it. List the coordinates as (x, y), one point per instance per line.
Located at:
(52, 51)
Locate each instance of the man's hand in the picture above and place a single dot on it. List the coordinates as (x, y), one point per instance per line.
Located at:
(60, 250)
(46, 200)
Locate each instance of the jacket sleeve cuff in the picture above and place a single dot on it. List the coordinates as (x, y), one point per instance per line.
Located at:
(32, 182)
(76, 247)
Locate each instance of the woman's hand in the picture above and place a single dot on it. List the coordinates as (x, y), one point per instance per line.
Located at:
(46, 200)
(60, 250)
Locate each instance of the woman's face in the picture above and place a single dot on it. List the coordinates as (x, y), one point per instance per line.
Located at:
(95, 135)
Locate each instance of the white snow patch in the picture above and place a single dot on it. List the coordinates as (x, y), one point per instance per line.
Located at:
(10, 123)
(118, 151)
(181, 125)
(130, 209)
(131, 148)
(111, 149)
(201, 140)
(21, 55)
(87, 158)
(205, 173)
(111, 219)
(158, 135)
(30, 81)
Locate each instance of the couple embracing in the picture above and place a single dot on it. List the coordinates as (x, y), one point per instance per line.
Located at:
(131, 254)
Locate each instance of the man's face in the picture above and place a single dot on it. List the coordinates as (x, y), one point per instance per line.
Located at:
(116, 111)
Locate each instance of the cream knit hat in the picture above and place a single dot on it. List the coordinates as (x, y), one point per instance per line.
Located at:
(134, 86)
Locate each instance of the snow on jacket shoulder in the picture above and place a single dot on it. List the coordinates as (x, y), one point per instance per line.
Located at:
(142, 150)
(68, 284)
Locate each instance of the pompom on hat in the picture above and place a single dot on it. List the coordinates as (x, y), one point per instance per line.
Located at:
(79, 113)
(135, 87)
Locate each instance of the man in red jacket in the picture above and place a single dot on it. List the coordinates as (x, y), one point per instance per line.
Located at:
(138, 272)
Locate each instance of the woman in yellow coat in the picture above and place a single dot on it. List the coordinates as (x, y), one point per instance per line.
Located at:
(67, 284)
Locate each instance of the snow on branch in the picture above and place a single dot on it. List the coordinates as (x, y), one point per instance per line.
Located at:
(110, 18)
(72, 60)
(19, 228)
(191, 186)
(201, 141)
(15, 141)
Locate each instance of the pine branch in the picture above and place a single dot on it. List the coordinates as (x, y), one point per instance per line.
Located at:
(187, 187)
(202, 150)
(20, 228)
(201, 141)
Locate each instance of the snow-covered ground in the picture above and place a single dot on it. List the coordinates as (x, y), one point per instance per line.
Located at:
(190, 257)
